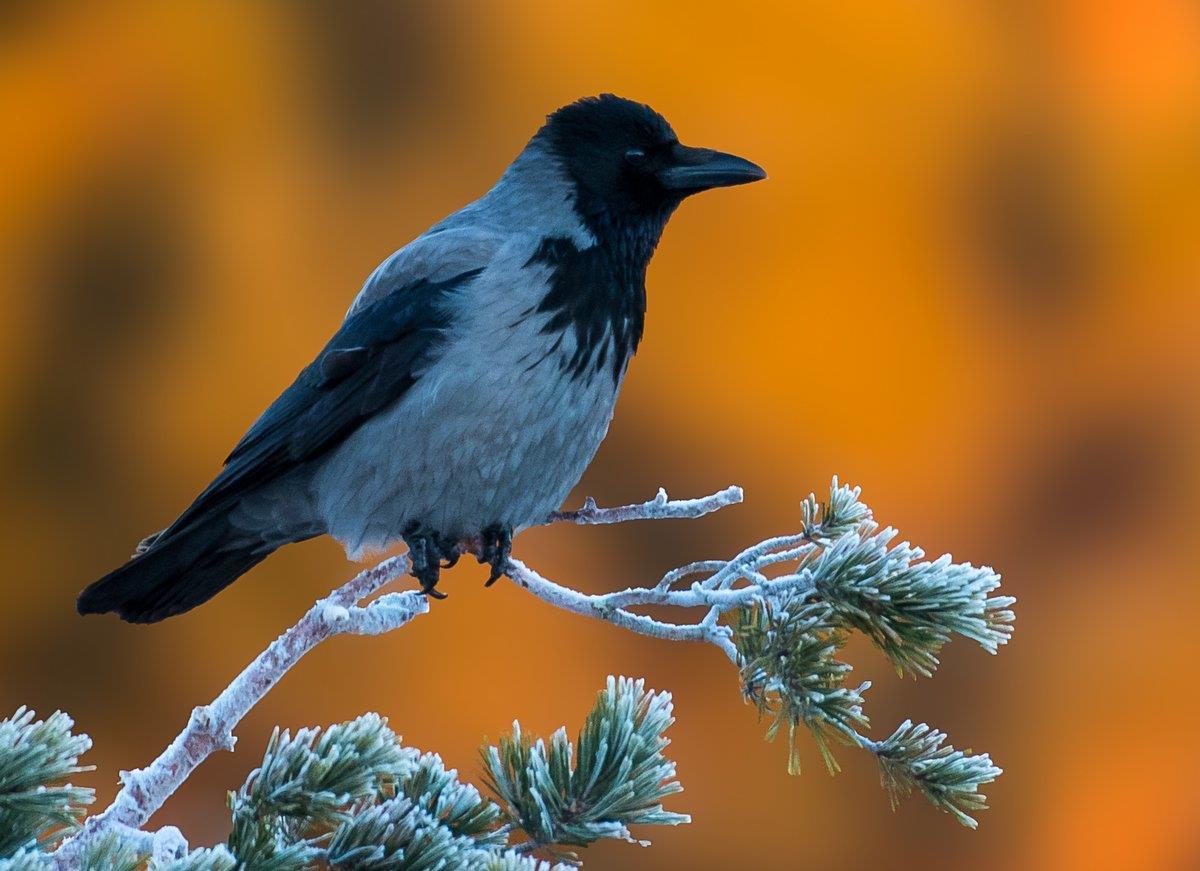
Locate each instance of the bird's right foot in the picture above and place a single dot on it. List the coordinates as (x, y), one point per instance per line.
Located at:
(497, 548)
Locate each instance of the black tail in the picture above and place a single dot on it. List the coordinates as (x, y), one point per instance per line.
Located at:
(181, 568)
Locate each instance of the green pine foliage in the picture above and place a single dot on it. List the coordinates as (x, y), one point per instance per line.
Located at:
(615, 776)
(790, 672)
(914, 757)
(308, 784)
(109, 853)
(37, 805)
(457, 806)
(353, 798)
(855, 579)
(399, 833)
(909, 607)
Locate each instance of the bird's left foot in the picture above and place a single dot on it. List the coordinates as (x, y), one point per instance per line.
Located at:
(426, 551)
(497, 547)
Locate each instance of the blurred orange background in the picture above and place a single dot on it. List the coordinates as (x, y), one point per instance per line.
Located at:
(970, 285)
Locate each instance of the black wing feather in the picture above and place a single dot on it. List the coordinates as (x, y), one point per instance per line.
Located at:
(372, 361)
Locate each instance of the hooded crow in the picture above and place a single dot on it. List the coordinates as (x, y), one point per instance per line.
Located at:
(471, 382)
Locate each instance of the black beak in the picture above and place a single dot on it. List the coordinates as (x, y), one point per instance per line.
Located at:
(692, 170)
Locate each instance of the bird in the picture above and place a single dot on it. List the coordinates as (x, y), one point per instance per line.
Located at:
(471, 382)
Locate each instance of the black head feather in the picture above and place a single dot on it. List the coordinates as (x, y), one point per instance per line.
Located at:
(610, 147)
(624, 163)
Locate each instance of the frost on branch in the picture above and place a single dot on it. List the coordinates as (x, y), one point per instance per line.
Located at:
(353, 797)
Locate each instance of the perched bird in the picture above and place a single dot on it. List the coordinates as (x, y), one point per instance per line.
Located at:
(471, 382)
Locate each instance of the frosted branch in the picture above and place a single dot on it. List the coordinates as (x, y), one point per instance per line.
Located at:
(210, 727)
(787, 602)
(659, 508)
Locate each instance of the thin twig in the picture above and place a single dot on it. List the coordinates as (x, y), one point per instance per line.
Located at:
(659, 508)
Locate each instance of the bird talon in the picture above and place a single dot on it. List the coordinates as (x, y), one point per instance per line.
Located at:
(426, 554)
(497, 548)
(432, 592)
(449, 553)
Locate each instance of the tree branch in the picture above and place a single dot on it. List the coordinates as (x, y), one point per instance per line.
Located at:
(715, 592)
(163, 845)
(659, 508)
(837, 561)
(210, 727)
(594, 606)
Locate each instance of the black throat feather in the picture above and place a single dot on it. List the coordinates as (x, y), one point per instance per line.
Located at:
(599, 292)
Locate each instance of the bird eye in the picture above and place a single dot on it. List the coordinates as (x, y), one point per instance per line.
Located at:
(635, 156)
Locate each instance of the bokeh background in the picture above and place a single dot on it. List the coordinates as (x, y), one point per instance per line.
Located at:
(970, 285)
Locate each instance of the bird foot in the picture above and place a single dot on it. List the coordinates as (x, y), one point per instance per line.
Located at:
(497, 547)
(429, 554)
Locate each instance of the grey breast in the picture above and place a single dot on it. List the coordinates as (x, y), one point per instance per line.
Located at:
(495, 431)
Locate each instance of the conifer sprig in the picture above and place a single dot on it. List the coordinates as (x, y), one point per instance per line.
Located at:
(37, 757)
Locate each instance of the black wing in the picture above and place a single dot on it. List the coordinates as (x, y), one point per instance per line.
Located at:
(377, 355)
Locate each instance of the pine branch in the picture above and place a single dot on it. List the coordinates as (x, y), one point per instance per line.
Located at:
(312, 781)
(789, 673)
(399, 833)
(779, 610)
(210, 728)
(352, 797)
(513, 861)
(914, 757)
(907, 606)
(457, 806)
(204, 859)
(614, 777)
(116, 850)
(37, 806)
(783, 630)
(661, 507)
(113, 852)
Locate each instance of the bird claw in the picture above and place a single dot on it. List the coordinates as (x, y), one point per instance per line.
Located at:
(497, 547)
(427, 552)
(429, 588)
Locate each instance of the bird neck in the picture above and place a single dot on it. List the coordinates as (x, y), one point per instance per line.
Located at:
(533, 197)
(598, 255)
(597, 293)
(627, 240)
